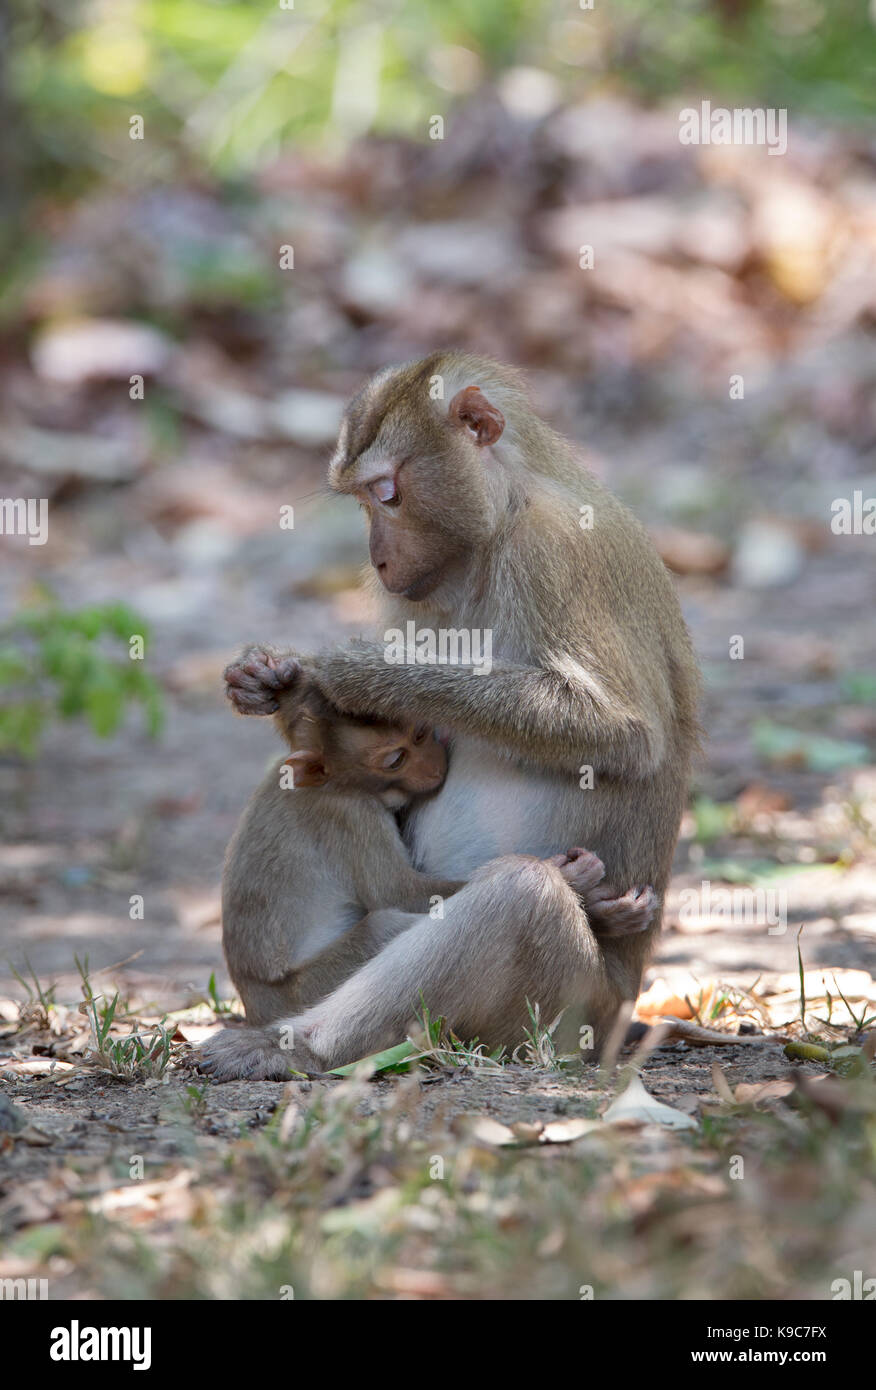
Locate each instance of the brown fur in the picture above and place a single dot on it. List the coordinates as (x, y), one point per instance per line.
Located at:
(310, 864)
(592, 667)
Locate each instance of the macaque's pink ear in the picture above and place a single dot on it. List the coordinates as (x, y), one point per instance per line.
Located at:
(308, 768)
(471, 408)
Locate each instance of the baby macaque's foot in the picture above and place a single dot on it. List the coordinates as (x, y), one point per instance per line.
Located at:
(625, 915)
(581, 869)
(255, 680)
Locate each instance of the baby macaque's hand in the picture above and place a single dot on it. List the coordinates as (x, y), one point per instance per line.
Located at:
(257, 679)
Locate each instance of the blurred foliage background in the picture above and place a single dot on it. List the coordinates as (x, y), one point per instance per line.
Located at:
(286, 225)
(225, 85)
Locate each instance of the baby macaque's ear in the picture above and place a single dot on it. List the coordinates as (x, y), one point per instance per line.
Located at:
(308, 768)
(471, 408)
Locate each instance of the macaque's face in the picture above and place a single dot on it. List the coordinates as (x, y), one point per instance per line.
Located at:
(394, 762)
(407, 759)
(421, 474)
(407, 506)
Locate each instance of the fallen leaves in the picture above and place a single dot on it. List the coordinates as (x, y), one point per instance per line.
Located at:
(635, 1106)
(490, 1133)
(682, 998)
(76, 351)
(143, 1202)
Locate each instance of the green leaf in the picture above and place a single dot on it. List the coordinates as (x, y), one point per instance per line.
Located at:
(21, 726)
(756, 870)
(13, 667)
(859, 686)
(389, 1060)
(711, 819)
(104, 704)
(816, 752)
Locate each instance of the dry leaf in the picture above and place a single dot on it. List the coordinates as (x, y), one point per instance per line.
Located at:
(35, 1137)
(677, 999)
(690, 552)
(36, 1066)
(527, 1132)
(636, 1106)
(753, 1092)
(567, 1131)
(722, 1085)
(480, 1129)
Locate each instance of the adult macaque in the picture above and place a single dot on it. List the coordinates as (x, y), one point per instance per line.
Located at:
(482, 518)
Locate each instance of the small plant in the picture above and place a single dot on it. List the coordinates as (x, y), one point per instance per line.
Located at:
(862, 1020)
(37, 1007)
(802, 973)
(133, 1058)
(58, 663)
(539, 1049)
(194, 1102)
(440, 1047)
(222, 1007)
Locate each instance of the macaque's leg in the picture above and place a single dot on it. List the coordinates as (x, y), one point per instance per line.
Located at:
(515, 932)
(266, 1000)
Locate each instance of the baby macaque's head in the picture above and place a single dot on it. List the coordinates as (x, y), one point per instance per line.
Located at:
(392, 761)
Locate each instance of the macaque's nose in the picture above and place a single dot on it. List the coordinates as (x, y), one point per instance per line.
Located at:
(375, 551)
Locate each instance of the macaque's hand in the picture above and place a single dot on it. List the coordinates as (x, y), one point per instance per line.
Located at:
(608, 912)
(620, 915)
(582, 870)
(259, 676)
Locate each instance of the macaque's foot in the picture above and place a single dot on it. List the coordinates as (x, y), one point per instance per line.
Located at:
(248, 1054)
(581, 869)
(610, 915)
(255, 680)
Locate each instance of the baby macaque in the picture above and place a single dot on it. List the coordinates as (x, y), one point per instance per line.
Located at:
(317, 877)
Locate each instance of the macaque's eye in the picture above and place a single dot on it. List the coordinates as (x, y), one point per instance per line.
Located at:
(393, 761)
(385, 491)
(421, 733)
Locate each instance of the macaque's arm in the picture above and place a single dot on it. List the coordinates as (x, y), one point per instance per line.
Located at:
(557, 719)
(553, 718)
(386, 877)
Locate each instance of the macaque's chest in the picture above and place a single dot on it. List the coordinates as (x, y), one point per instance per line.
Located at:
(488, 807)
